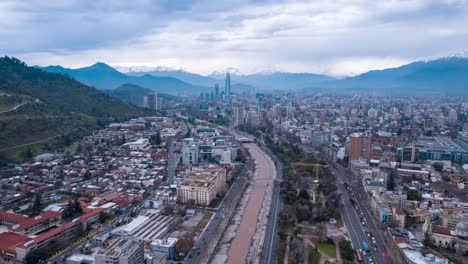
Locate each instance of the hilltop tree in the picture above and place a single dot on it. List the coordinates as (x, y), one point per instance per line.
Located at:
(27, 154)
(37, 205)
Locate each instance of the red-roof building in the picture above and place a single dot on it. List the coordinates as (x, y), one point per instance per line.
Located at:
(10, 219)
(37, 224)
(90, 217)
(62, 233)
(8, 243)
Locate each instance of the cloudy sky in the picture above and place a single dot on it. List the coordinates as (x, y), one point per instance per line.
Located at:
(337, 37)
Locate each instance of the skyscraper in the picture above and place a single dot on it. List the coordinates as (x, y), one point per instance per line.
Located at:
(216, 91)
(360, 146)
(227, 88)
(153, 101)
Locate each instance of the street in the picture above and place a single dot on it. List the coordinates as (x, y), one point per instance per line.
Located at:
(360, 225)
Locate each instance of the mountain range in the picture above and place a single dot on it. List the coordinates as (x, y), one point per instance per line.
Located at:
(444, 75)
(104, 77)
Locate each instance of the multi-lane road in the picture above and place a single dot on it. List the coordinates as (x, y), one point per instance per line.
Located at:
(359, 223)
(350, 217)
(271, 236)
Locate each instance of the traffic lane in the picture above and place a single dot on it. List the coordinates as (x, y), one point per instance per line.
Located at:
(382, 247)
(377, 255)
(271, 234)
(356, 230)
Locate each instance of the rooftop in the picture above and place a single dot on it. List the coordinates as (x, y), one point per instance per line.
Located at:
(36, 220)
(9, 241)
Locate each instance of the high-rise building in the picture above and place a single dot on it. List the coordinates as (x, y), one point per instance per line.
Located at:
(153, 101)
(227, 88)
(360, 147)
(216, 91)
(277, 111)
(159, 103)
(239, 116)
(189, 152)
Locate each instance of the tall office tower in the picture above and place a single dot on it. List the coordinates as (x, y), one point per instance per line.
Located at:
(216, 91)
(360, 146)
(238, 116)
(227, 88)
(150, 101)
(153, 101)
(159, 103)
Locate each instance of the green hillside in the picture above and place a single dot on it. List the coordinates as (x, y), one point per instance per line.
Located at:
(53, 109)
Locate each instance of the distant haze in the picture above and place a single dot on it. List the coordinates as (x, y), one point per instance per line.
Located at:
(337, 38)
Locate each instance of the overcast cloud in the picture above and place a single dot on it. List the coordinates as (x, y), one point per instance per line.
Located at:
(340, 37)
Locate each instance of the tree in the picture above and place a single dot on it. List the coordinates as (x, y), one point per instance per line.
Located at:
(103, 217)
(37, 204)
(155, 139)
(168, 209)
(69, 211)
(240, 157)
(37, 256)
(414, 195)
(391, 182)
(346, 250)
(303, 213)
(77, 207)
(185, 243)
(87, 175)
(427, 239)
(303, 194)
(438, 166)
(399, 131)
(27, 154)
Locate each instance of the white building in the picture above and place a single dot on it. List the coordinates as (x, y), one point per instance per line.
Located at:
(189, 152)
(202, 186)
(138, 144)
(121, 251)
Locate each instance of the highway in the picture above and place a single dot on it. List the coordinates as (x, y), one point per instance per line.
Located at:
(373, 226)
(360, 225)
(349, 214)
(271, 236)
